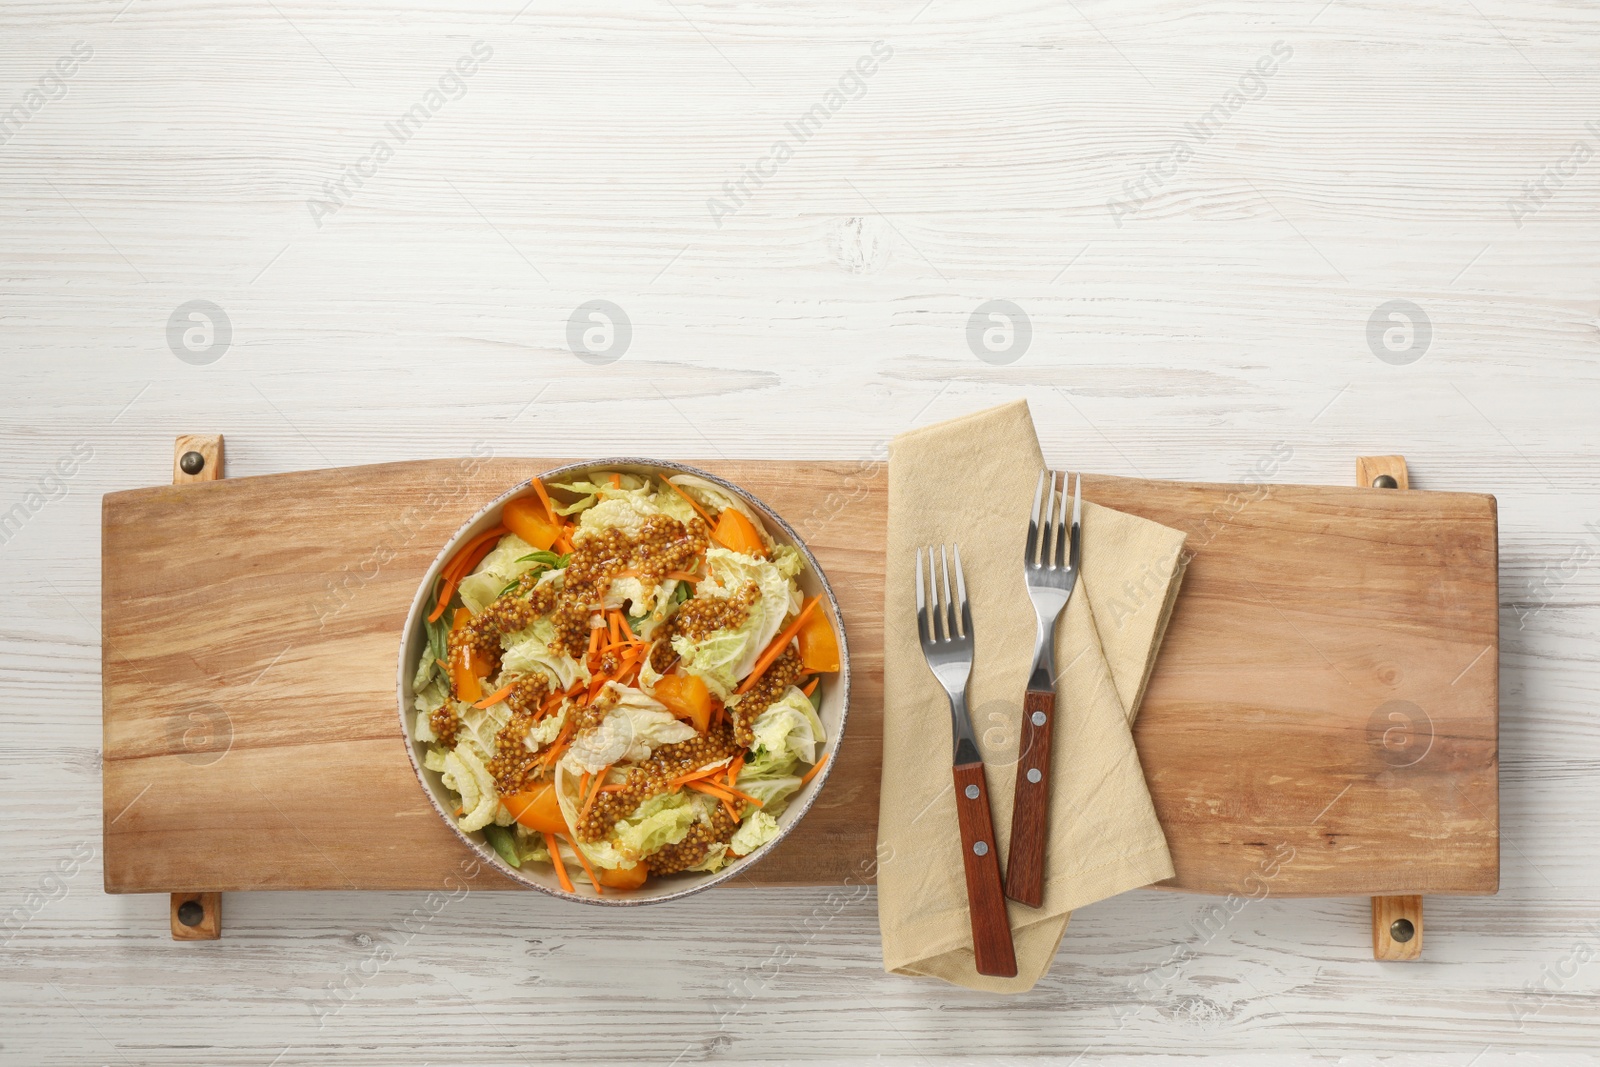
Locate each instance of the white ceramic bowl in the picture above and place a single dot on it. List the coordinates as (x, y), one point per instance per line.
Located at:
(835, 689)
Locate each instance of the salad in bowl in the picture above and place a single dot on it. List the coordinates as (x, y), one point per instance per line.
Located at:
(621, 683)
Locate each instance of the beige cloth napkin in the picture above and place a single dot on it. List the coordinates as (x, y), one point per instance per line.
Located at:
(972, 480)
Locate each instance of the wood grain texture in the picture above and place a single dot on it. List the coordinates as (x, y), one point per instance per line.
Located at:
(208, 707)
(992, 950)
(1227, 316)
(1358, 735)
(1030, 807)
(1343, 706)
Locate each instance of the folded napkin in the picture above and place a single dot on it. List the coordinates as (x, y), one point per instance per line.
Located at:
(972, 481)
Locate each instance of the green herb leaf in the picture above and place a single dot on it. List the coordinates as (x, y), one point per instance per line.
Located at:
(502, 841)
(439, 637)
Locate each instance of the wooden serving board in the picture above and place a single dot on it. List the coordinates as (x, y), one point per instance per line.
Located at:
(1322, 718)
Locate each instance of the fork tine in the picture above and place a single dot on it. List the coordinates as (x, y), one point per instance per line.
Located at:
(1052, 519)
(1063, 535)
(922, 602)
(1031, 558)
(946, 619)
(1077, 519)
(963, 613)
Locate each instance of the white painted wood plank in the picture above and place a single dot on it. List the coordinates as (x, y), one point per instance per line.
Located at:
(1227, 313)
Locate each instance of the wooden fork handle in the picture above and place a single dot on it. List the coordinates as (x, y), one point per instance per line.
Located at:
(986, 904)
(1030, 808)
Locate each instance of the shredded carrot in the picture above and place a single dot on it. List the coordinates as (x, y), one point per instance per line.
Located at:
(560, 744)
(742, 795)
(627, 631)
(583, 784)
(446, 591)
(496, 697)
(588, 870)
(705, 772)
(616, 480)
(587, 804)
(683, 576)
(594, 640)
(779, 643)
(631, 661)
(460, 812)
(619, 787)
(544, 498)
(555, 857)
(575, 688)
(706, 787)
(551, 702)
(616, 631)
(812, 773)
(734, 768)
(690, 499)
(733, 813)
(811, 686)
(563, 545)
(460, 564)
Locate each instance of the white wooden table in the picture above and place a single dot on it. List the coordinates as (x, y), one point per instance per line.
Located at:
(1197, 249)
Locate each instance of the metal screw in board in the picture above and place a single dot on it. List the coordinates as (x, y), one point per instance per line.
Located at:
(191, 463)
(1402, 930)
(1385, 481)
(190, 913)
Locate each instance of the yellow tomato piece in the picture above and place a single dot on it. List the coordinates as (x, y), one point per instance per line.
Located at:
(687, 698)
(632, 878)
(819, 646)
(537, 809)
(735, 532)
(526, 517)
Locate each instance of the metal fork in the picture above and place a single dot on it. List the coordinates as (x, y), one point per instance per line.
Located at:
(944, 626)
(1050, 566)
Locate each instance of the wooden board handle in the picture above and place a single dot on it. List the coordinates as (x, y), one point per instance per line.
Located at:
(1030, 808)
(1396, 921)
(1377, 472)
(196, 457)
(1396, 928)
(196, 916)
(991, 929)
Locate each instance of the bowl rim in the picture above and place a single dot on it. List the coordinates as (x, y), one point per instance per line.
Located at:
(407, 714)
